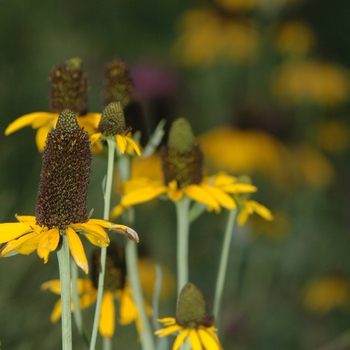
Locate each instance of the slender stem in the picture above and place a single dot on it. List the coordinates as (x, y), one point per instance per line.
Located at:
(107, 343)
(220, 282)
(183, 227)
(131, 256)
(146, 335)
(107, 203)
(77, 311)
(63, 263)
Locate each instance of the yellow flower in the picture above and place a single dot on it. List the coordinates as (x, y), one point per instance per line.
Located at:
(294, 38)
(112, 124)
(311, 81)
(214, 192)
(192, 321)
(324, 294)
(254, 151)
(69, 86)
(116, 286)
(207, 36)
(26, 236)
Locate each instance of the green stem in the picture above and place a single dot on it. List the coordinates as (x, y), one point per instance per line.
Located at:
(107, 203)
(77, 311)
(107, 343)
(63, 263)
(226, 245)
(131, 256)
(183, 227)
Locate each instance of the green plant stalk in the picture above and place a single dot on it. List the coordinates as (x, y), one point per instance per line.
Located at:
(183, 228)
(64, 268)
(107, 203)
(77, 311)
(131, 256)
(226, 245)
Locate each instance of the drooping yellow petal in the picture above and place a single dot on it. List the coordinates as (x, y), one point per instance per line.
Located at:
(128, 310)
(194, 340)
(87, 298)
(56, 312)
(29, 245)
(121, 143)
(26, 120)
(100, 222)
(174, 193)
(41, 136)
(169, 330)
(261, 210)
(209, 339)
(133, 144)
(106, 323)
(53, 286)
(198, 194)
(223, 198)
(77, 249)
(93, 229)
(97, 241)
(13, 230)
(142, 195)
(14, 244)
(243, 215)
(95, 137)
(48, 243)
(181, 339)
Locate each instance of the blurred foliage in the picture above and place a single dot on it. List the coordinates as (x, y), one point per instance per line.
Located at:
(265, 85)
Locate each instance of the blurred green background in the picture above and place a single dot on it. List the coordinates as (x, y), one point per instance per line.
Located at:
(274, 75)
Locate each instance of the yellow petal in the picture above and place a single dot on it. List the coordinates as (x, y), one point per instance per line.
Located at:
(53, 286)
(209, 339)
(26, 218)
(239, 188)
(29, 245)
(87, 299)
(128, 309)
(41, 136)
(56, 312)
(48, 243)
(222, 179)
(100, 222)
(169, 330)
(243, 215)
(94, 230)
(181, 339)
(13, 230)
(77, 249)
(198, 194)
(116, 211)
(121, 143)
(95, 137)
(14, 244)
(27, 120)
(167, 321)
(142, 195)
(194, 340)
(106, 324)
(133, 144)
(89, 121)
(97, 241)
(261, 210)
(223, 198)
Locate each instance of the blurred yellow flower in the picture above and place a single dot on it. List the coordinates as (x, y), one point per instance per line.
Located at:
(206, 37)
(311, 81)
(333, 136)
(294, 38)
(250, 207)
(324, 294)
(150, 167)
(251, 151)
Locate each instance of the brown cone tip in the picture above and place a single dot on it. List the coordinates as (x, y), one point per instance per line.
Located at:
(69, 87)
(118, 83)
(115, 273)
(65, 175)
(192, 308)
(112, 120)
